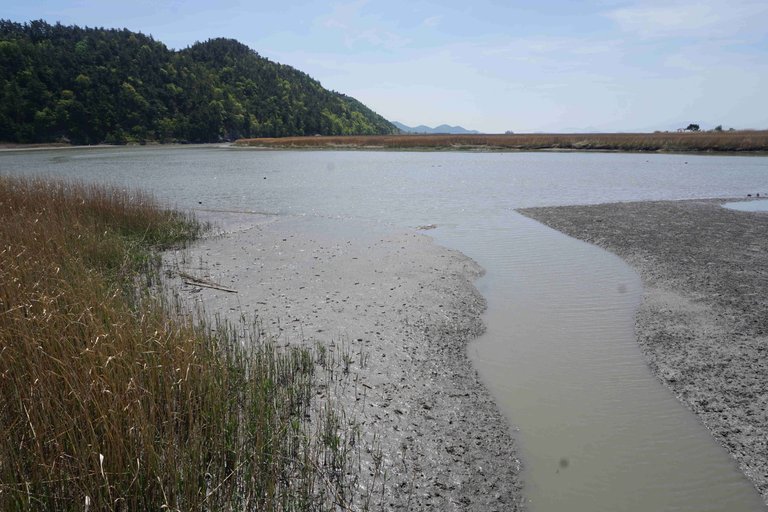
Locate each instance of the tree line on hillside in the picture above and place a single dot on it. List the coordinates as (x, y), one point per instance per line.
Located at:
(95, 85)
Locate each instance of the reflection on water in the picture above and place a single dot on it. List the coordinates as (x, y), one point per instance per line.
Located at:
(597, 431)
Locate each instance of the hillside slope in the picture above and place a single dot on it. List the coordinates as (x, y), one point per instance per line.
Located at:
(442, 129)
(93, 85)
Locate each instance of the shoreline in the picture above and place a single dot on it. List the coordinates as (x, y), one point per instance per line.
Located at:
(701, 324)
(742, 142)
(446, 143)
(49, 146)
(405, 309)
(486, 149)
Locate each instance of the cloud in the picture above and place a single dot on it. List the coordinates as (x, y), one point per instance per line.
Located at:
(357, 27)
(545, 45)
(432, 21)
(378, 37)
(543, 54)
(702, 18)
(343, 14)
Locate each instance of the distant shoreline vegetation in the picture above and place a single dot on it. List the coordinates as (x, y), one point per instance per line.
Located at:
(75, 85)
(731, 141)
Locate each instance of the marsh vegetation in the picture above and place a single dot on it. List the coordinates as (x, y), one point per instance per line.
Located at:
(717, 141)
(111, 398)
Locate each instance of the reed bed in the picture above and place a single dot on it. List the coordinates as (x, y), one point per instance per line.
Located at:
(727, 141)
(111, 400)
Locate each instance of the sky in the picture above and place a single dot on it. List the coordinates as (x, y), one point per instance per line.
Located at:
(487, 65)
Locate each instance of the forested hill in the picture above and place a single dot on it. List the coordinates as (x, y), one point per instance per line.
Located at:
(90, 86)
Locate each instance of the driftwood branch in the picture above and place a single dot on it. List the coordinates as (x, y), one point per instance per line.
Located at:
(205, 283)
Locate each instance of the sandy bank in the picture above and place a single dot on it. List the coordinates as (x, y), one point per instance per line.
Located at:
(404, 308)
(702, 325)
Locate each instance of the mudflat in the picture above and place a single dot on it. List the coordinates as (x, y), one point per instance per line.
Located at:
(703, 322)
(399, 309)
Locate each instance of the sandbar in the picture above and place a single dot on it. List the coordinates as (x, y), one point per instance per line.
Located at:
(404, 308)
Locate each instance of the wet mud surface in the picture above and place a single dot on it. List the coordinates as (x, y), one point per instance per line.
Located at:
(401, 309)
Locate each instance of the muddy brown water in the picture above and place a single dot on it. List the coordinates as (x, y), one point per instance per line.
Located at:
(596, 431)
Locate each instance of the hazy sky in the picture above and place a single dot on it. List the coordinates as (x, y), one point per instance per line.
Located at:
(608, 65)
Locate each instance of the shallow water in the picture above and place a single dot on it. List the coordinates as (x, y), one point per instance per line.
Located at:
(757, 205)
(597, 431)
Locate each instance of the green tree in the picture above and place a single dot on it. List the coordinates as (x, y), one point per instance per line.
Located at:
(104, 85)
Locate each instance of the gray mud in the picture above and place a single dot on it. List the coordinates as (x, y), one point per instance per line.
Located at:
(404, 308)
(703, 323)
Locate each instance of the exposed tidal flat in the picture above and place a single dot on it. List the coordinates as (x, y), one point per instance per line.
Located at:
(398, 311)
(470, 198)
(702, 322)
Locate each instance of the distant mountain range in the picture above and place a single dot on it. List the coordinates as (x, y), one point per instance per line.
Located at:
(443, 128)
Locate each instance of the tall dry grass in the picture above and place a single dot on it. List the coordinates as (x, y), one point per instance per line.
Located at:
(109, 400)
(730, 141)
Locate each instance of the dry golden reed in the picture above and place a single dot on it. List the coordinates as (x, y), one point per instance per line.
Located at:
(741, 141)
(109, 400)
